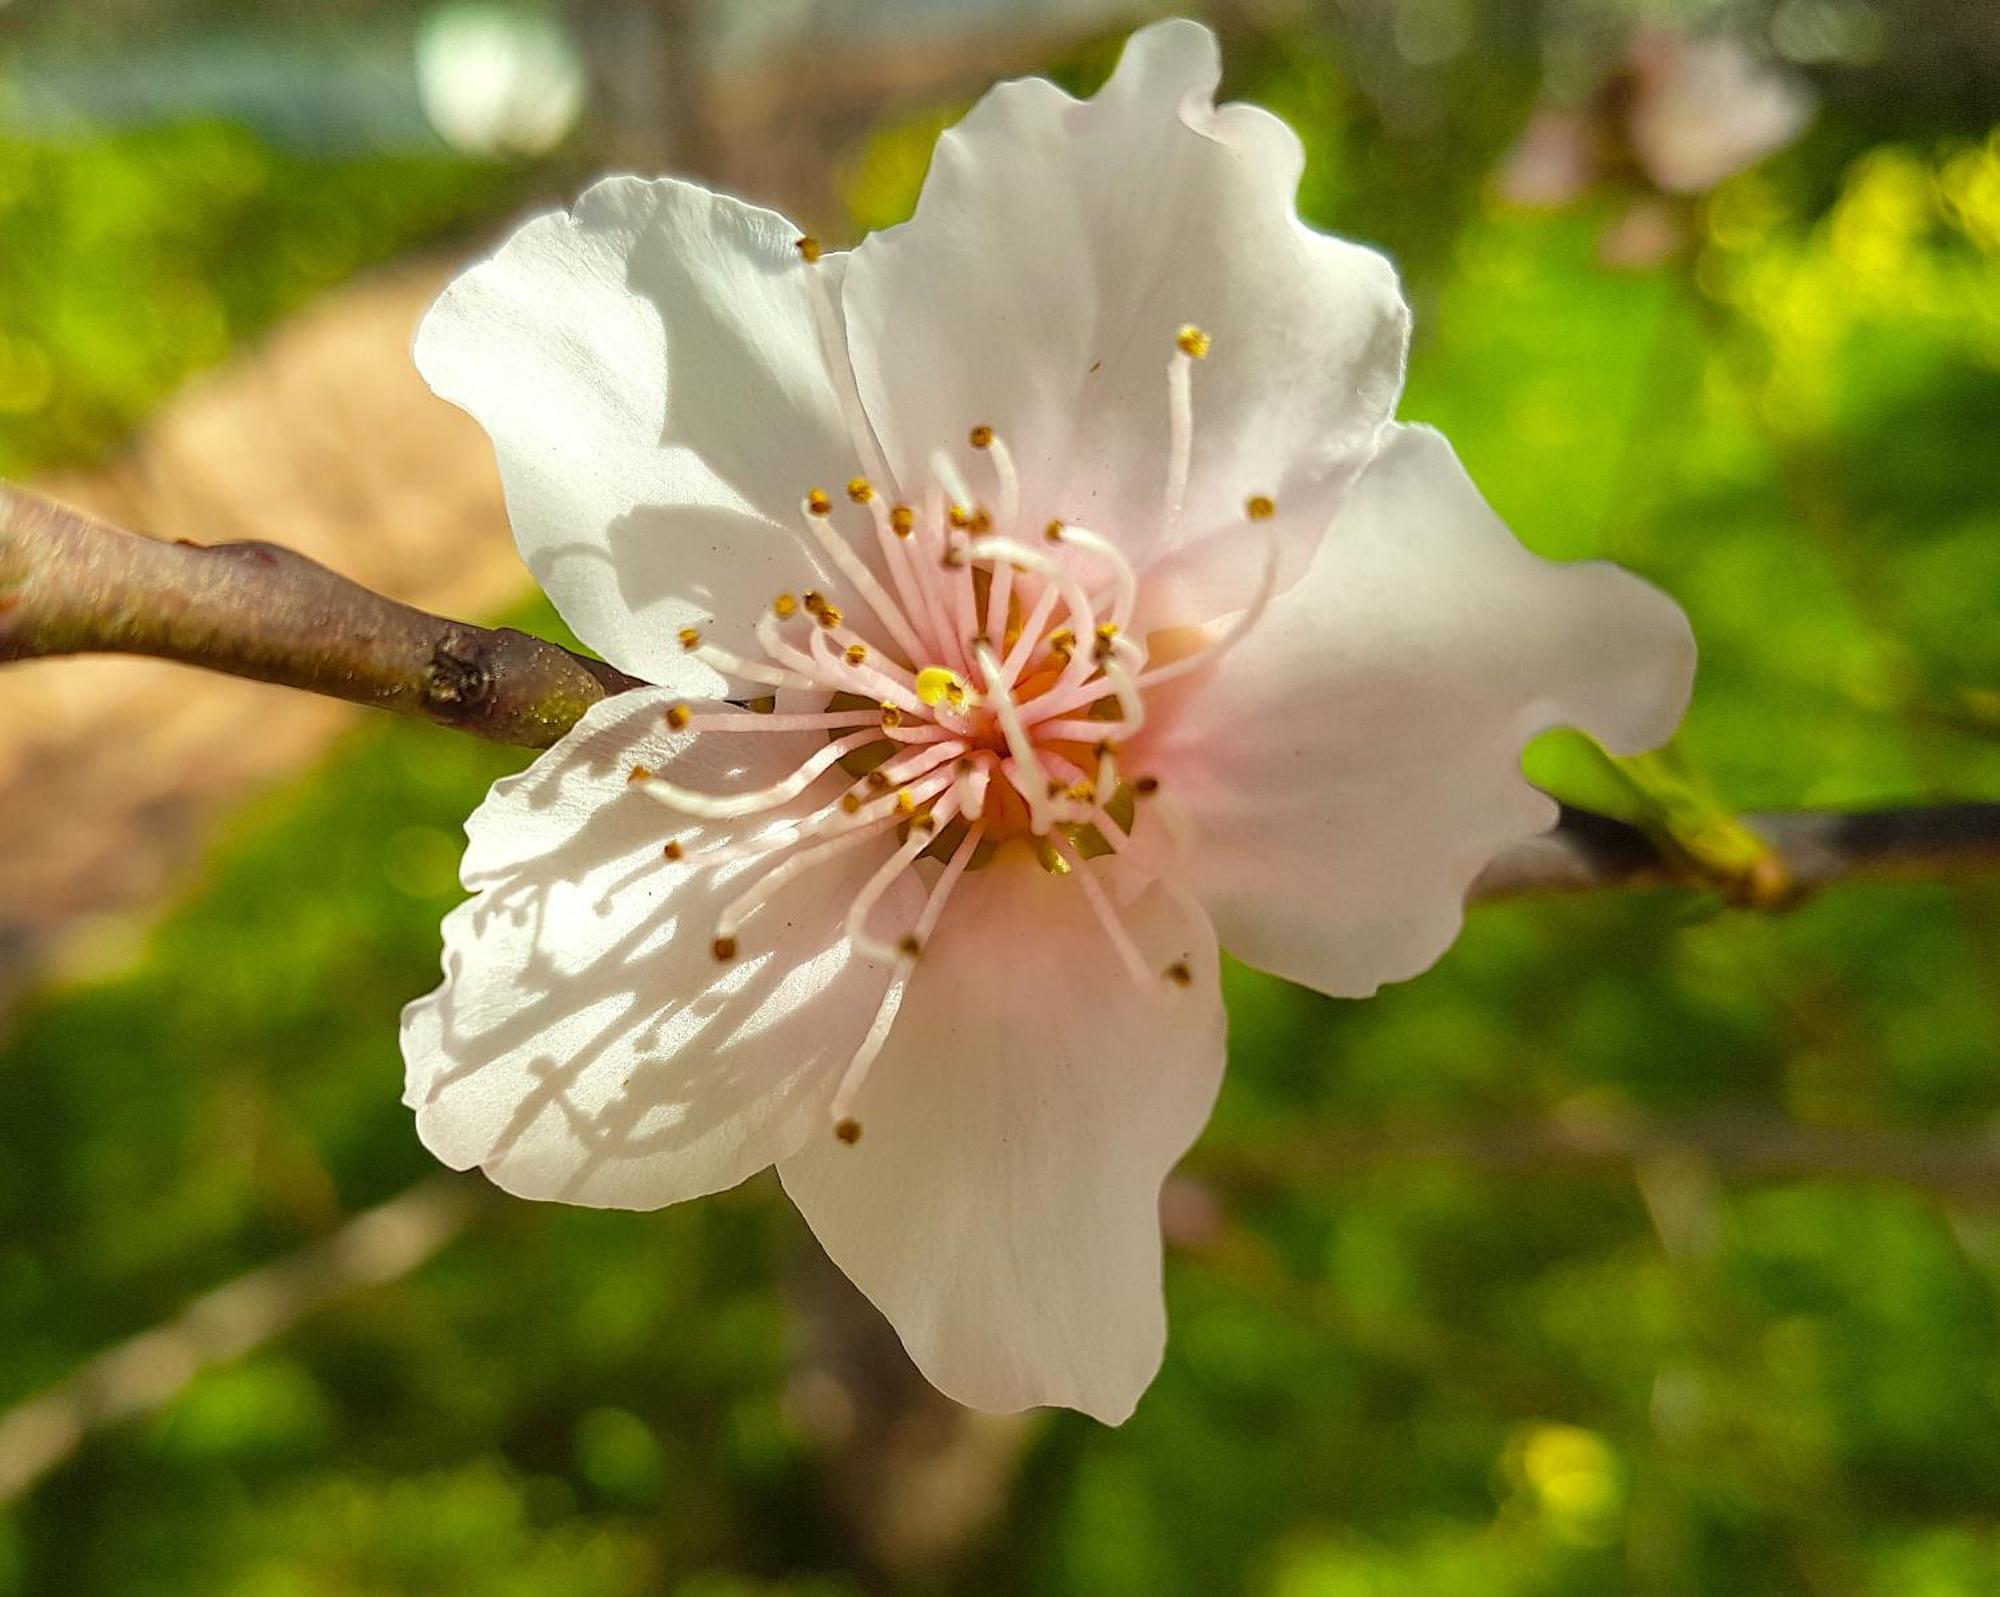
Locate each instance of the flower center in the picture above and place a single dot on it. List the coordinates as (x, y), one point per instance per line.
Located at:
(981, 693)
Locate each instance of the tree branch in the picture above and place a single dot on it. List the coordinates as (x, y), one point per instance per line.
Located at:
(1811, 849)
(144, 1374)
(1959, 1166)
(72, 585)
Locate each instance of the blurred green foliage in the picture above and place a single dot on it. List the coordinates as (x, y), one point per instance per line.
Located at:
(1403, 1362)
(130, 260)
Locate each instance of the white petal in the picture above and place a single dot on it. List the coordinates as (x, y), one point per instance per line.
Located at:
(1056, 251)
(1352, 766)
(651, 372)
(1002, 1204)
(586, 1045)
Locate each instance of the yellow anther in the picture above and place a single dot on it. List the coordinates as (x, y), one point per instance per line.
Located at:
(673, 850)
(1053, 532)
(830, 616)
(809, 247)
(905, 803)
(1062, 642)
(902, 521)
(1193, 342)
(785, 606)
(856, 653)
(850, 803)
(1179, 974)
(860, 490)
(818, 503)
(936, 683)
(981, 522)
(925, 823)
(690, 637)
(639, 773)
(1107, 630)
(982, 437)
(678, 716)
(1082, 790)
(892, 716)
(1260, 507)
(848, 1130)
(724, 948)
(959, 516)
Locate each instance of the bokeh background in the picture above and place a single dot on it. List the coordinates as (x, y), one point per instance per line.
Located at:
(1645, 1246)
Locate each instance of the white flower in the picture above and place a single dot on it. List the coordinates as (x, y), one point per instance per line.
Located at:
(1071, 676)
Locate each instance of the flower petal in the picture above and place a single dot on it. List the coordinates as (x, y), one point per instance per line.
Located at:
(1057, 250)
(1355, 762)
(651, 371)
(1002, 1204)
(585, 1044)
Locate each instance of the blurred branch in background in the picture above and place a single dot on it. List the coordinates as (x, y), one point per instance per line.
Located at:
(72, 585)
(1959, 1167)
(145, 1373)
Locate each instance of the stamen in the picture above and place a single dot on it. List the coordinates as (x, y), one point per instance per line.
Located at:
(1107, 917)
(969, 788)
(740, 908)
(734, 665)
(1124, 578)
(1219, 645)
(877, 885)
(1019, 744)
(1031, 632)
(856, 571)
(830, 324)
(1057, 575)
(724, 807)
(829, 721)
(897, 559)
(845, 1127)
(1006, 477)
(1180, 427)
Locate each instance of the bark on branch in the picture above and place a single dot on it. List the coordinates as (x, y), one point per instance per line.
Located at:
(72, 585)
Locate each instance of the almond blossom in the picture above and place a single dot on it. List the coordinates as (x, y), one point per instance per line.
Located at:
(1038, 594)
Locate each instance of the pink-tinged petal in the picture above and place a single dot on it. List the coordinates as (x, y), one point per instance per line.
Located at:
(1058, 248)
(1353, 764)
(1002, 1204)
(586, 1044)
(650, 369)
